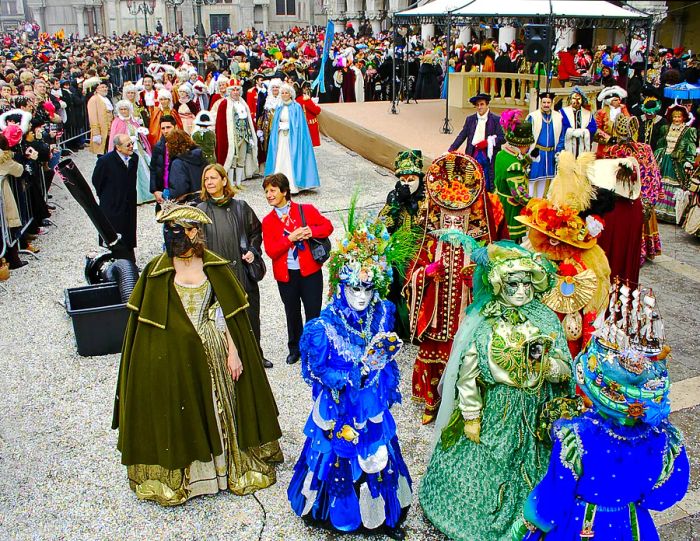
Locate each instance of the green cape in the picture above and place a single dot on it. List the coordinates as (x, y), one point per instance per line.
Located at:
(163, 406)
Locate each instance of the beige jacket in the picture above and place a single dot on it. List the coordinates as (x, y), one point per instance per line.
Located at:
(100, 120)
(9, 168)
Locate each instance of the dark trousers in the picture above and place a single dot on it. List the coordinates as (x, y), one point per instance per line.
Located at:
(253, 292)
(306, 289)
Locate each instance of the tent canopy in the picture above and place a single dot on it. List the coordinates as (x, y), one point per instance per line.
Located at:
(562, 10)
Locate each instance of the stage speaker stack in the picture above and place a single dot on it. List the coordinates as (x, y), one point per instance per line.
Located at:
(537, 42)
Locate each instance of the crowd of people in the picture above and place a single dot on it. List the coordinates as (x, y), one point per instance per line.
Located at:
(512, 262)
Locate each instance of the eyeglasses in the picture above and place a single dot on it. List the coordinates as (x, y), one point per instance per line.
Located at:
(127, 145)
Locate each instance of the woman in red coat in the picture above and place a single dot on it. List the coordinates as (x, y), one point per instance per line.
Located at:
(311, 110)
(285, 239)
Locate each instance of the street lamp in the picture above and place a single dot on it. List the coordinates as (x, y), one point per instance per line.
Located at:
(147, 7)
(199, 29)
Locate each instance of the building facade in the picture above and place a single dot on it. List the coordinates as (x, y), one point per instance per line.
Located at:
(88, 17)
(11, 14)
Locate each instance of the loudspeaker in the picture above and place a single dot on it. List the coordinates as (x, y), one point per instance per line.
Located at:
(537, 42)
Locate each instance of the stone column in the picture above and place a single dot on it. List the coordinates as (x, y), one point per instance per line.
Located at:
(506, 35)
(465, 34)
(565, 38)
(112, 21)
(80, 20)
(427, 31)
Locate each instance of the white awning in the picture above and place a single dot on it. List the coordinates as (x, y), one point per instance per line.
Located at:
(598, 9)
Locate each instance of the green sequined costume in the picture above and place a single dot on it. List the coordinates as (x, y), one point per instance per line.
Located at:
(475, 491)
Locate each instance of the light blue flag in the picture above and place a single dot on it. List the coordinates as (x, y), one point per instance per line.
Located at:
(320, 81)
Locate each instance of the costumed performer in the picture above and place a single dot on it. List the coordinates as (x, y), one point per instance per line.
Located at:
(290, 150)
(268, 102)
(351, 474)
(578, 123)
(626, 130)
(548, 141)
(187, 107)
(236, 148)
(163, 108)
(311, 111)
(622, 458)
(653, 125)
(438, 282)
(557, 231)
(511, 170)
(618, 202)
(193, 406)
(126, 123)
(484, 136)
(676, 156)
(203, 135)
(605, 117)
(508, 362)
(406, 208)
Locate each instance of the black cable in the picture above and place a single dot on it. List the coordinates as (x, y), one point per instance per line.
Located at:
(264, 521)
(370, 205)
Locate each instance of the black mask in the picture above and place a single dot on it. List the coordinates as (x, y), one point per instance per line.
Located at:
(177, 243)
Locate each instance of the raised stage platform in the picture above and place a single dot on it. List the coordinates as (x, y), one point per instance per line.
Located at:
(371, 130)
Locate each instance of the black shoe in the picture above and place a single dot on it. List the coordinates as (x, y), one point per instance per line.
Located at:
(46, 222)
(267, 364)
(50, 206)
(293, 358)
(397, 533)
(18, 264)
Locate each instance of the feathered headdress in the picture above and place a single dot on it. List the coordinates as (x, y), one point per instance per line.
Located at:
(510, 119)
(367, 254)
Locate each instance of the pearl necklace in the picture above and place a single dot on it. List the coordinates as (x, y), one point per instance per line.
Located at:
(365, 332)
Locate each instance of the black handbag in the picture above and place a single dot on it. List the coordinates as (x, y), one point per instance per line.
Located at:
(320, 248)
(257, 269)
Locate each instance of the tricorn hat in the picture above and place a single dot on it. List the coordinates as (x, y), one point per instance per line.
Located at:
(203, 118)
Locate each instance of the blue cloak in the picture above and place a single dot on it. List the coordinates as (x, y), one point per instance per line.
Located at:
(301, 148)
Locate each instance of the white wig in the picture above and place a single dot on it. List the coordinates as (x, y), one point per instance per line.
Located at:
(164, 93)
(290, 88)
(275, 83)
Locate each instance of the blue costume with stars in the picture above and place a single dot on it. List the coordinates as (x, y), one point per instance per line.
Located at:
(350, 473)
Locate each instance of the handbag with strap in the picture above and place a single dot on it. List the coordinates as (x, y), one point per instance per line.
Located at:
(320, 248)
(257, 269)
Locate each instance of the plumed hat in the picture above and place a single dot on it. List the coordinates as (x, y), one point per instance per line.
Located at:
(185, 215)
(610, 92)
(516, 129)
(577, 90)
(454, 181)
(203, 118)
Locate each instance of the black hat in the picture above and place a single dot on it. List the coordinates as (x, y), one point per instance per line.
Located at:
(480, 96)
(547, 94)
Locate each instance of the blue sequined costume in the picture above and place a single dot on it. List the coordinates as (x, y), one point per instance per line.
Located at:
(616, 473)
(350, 473)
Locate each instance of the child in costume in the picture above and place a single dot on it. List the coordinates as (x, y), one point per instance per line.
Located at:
(204, 135)
(351, 474)
(622, 458)
(508, 361)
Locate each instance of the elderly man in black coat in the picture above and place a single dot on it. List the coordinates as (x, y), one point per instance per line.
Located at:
(114, 179)
(484, 136)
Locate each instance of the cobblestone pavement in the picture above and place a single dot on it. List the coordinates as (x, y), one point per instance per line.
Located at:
(62, 477)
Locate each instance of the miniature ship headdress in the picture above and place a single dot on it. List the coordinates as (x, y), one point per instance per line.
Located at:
(623, 368)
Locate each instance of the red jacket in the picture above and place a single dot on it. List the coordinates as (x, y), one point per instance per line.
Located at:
(277, 244)
(567, 66)
(311, 110)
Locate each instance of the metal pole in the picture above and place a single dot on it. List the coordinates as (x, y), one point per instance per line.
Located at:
(446, 128)
(394, 109)
(650, 29)
(201, 38)
(145, 16)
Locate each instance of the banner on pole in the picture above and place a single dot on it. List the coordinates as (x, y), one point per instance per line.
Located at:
(320, 80)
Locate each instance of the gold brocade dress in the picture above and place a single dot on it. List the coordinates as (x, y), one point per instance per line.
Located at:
(240, 471)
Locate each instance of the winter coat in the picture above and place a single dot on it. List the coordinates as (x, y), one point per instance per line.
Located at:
(186, 174)
(10, 168)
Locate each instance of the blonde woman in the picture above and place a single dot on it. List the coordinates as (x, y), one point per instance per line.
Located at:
(234, 233)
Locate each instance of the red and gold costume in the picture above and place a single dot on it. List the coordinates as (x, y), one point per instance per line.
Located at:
(438, 282)
(311, 110)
